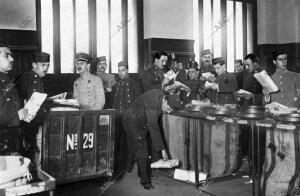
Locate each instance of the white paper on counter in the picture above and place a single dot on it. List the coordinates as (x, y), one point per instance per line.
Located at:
(59, 96)
(189, 176)
(243, 92)
(266, 81)
(33, 105)
(208, 84)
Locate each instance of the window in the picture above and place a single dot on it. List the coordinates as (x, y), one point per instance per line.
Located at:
(97, 27)
(227, 29)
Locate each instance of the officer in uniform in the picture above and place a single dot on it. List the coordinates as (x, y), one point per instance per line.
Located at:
(152, 78)
(88, 88)
(107, 79)
(10, 108)
(142, 118)
(29, 83)
(125, 92)
(288, 82)
(195, 84)
(249, 83)
(223, 86)
(206, 63)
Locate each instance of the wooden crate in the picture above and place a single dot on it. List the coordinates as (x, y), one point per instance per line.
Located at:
(45, 183)
(78, 145)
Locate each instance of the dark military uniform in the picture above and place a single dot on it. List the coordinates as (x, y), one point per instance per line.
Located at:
(9, 118)
(125, 92)
(195, 86)
(227, 85)
(288, 84)
(250, 84)
(29, 83)
(152, 79)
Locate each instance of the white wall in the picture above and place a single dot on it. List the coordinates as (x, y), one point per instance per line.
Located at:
(171, 19)
(278, 21)
(17, 14)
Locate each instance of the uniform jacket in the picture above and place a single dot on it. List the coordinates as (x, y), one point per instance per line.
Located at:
(227, 85)
(28, 83)
(125, 92)
(195, 86)
(288, 84)
(9, 102)
(89, 92)
(152, 79)
(249, 83)
(143, 115)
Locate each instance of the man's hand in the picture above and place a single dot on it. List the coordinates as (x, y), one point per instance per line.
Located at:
(164, 155)
(214, 86)
(212, 78)
(22, 113)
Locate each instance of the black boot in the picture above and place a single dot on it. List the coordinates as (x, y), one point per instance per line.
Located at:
(145, 179)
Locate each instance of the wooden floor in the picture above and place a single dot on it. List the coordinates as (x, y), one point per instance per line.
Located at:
(128, 185)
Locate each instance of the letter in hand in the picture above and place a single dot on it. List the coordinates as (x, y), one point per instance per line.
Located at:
(212, 78)
(23, 113)
(214, 86)
(164, 155)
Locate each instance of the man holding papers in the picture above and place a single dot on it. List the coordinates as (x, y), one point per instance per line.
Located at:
(220, 89)
(287, 82)
(27, 84)
(10, 108)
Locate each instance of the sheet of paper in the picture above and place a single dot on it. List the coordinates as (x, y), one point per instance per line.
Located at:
(266, 81)
(170, 75)
(59, 96)
(165, 164)
(189, 176)
(207, 75)
(33, 105)
(242, 91)
(208, 84)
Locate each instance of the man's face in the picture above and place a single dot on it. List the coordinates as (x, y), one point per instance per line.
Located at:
(207, 59)
(123, 71)
(82, 66)
(41, 68)
(238, 67)
(161, 62)
(250, 66)
(101, 66)
(165, 106)
(192, 72)
(220, 69)
(5, 59)
(281, 61)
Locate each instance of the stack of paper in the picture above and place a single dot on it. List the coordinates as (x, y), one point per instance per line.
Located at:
(165, 164)
(170, 74)
(33, 105)
(266, 81)
(189, 176)
(207, 75)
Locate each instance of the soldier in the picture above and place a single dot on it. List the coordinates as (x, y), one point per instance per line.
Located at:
(125, 92)
(223, 86)
(249, 83)
(238, 66)
(88, 88)
(142, 118)
(107, 79)
(10, 108)
(29, 83)
(206, 64)
(287, 82)
(196, 85)
(152, 78)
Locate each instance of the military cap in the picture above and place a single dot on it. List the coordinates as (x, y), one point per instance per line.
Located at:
(83, 57)
(276, 53)
(193, 64)
(205, 52)
(218, 60)
(40, 57)
(122, 63)
(174, 101)
(3, 43)
(238, 61)
(101, 58)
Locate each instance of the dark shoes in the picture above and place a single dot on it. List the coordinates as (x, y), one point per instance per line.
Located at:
(148, 186)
